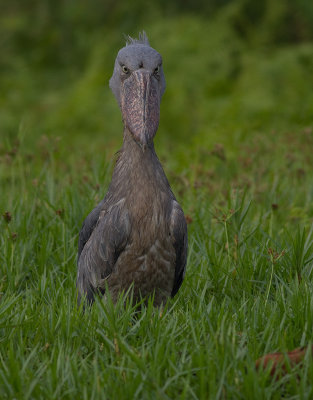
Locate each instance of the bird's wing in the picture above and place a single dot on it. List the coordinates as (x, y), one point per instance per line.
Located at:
(88, 227)
(102, 249)
(178, 229)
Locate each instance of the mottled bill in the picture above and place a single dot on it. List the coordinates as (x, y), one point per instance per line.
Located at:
(141, 105)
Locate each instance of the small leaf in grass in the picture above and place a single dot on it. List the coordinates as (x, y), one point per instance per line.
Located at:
(7, 216)
(14, 236)
(60, 212)
(278, 362)
(188, 219)
(46, 346)
(219, 151)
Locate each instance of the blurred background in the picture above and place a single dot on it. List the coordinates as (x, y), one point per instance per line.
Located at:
(233, 68)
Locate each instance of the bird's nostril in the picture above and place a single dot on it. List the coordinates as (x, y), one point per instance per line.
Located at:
(141, 65)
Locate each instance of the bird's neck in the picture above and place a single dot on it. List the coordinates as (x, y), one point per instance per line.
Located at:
(130, 144)
(136, 156)
(137, 167)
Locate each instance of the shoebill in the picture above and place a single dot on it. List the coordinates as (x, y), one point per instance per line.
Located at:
(137, 235)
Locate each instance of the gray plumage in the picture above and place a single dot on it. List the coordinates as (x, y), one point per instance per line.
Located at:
(137, 235)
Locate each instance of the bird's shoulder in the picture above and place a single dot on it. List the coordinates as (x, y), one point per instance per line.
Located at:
(108, 209)
(177, 216)
(88, 226)
(102, 247)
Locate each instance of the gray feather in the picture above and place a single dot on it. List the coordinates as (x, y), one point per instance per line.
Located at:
(88, 227)
(142, 39)
(179, 235)
(102, 250)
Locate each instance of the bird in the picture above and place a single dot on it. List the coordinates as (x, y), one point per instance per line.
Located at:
(135, 239)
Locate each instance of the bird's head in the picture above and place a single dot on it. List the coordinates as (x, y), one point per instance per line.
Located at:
(138, 84)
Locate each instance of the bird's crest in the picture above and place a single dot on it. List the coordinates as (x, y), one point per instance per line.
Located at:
(142, 39)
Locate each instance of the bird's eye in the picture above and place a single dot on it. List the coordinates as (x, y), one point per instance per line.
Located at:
(125, 69)
(157, 69)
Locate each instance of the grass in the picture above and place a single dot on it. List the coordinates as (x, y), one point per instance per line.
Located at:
(248, 287)
(236, 144)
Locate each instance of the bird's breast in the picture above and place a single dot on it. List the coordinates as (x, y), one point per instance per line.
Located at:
(147, 263)
(148, 259)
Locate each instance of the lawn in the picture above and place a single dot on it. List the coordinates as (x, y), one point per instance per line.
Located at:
(235, 140)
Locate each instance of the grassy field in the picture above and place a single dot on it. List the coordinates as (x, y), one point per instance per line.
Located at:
(235, 140)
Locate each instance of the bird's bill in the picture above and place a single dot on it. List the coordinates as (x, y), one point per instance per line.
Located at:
(141, 105)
